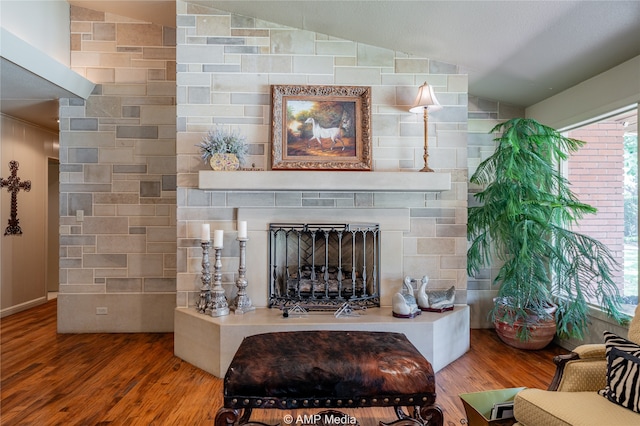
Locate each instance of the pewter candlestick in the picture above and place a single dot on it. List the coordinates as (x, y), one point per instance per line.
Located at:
(218, 306)
(242, 302)
(205, 289)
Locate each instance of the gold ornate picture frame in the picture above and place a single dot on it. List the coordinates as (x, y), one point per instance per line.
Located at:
(321, 127)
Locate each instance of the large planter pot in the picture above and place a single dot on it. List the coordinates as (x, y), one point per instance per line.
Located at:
(226, 162)
(542, 333)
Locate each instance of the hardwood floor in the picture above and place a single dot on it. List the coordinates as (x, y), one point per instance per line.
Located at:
(134, 379)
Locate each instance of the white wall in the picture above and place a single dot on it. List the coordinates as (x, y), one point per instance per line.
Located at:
(23, 282)
(613, 89)
(44, 24)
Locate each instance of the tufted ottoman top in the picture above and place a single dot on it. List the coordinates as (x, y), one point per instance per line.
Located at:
(328, 369)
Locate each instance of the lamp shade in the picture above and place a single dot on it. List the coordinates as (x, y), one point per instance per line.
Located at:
(426, 99)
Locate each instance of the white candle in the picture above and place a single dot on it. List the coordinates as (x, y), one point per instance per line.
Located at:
(218, 235)
(206, 232)
(242, 229)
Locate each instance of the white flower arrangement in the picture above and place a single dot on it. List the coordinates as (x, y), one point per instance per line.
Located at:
(222, 141)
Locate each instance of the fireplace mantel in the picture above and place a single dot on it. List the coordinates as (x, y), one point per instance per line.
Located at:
(334, 181)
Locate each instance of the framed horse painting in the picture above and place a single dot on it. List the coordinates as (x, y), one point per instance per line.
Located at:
(321, 127)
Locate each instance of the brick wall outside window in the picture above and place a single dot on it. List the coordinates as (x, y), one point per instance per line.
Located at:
(596, 174)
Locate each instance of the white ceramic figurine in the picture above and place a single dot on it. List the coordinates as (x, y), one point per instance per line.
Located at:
(435, 300)
(404, 302)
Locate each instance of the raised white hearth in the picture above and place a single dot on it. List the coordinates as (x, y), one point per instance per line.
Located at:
(210, 343)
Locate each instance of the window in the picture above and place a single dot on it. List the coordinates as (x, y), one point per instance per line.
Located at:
(603, 173)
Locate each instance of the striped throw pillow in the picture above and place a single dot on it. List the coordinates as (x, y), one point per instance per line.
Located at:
(623, 372)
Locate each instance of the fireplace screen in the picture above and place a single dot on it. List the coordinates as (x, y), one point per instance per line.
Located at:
(322, 266)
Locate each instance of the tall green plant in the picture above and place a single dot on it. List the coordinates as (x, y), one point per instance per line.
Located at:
(524, 220)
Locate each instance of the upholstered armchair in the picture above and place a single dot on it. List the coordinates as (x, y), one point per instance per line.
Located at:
(575, 396)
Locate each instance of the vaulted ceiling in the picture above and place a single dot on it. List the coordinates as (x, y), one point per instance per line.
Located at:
(519, 52)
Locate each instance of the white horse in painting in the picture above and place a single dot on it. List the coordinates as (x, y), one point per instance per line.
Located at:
(319, 133)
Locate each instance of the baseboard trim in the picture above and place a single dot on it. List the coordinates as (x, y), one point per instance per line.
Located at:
(22, 306)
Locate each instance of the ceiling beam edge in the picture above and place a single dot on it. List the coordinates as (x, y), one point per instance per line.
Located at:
(23, 54)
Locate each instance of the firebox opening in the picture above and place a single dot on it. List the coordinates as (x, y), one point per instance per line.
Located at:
(322, 266)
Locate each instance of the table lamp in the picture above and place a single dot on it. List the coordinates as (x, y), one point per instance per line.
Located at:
(425, 101)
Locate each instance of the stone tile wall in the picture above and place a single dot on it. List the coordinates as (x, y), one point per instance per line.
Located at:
(117, 167)
(121, 166)
(484, 114)
(226, 64)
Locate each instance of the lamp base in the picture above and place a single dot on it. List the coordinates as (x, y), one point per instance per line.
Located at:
(426, 169)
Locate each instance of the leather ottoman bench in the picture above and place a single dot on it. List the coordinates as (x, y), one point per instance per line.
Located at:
(330, 370)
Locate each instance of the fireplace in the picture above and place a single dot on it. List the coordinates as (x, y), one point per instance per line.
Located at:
(323, 266)
(210, 342)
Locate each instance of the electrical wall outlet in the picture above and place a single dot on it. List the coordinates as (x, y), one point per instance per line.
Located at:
(80, 215)
(102, 310)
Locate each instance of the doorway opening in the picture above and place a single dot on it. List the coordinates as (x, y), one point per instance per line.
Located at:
(53, 227)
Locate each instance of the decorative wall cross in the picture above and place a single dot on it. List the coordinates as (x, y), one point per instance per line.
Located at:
(14, 185)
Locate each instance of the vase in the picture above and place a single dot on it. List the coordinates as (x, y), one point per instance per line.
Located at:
(226, 162)
(542, 333)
